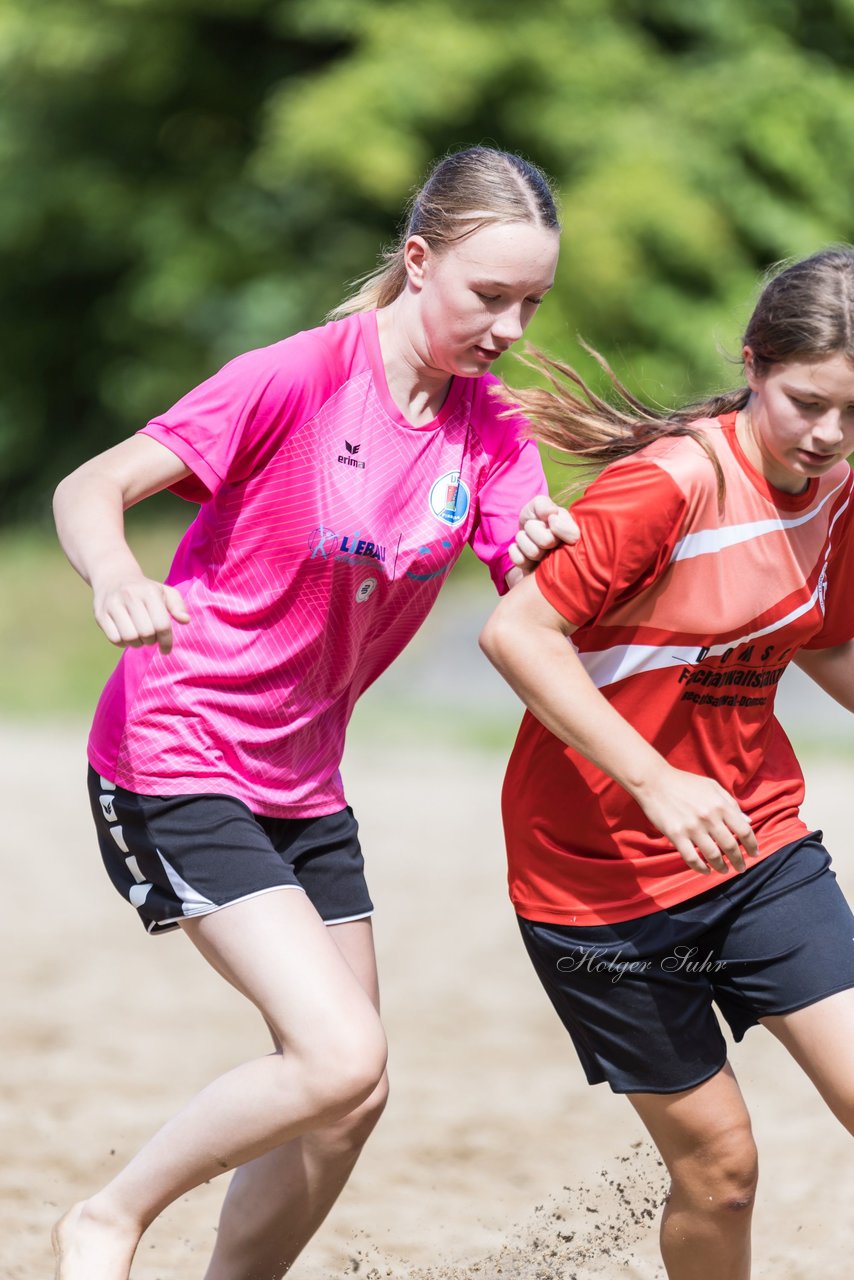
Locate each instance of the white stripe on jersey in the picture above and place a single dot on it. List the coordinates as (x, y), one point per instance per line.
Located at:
(606, 666)
(709, 541)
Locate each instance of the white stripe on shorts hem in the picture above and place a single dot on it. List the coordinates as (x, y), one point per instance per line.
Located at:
(193, 911)
(157, 925)
(363, 915)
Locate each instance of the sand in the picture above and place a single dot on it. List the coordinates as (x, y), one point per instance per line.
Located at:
(494, 1157)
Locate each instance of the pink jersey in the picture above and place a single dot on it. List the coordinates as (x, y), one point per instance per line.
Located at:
(327, 526)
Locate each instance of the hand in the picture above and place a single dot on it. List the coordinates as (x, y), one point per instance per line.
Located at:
(700, 818)
(543, 525)
(135, 612)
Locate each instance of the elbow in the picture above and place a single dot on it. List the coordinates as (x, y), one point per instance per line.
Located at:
(485, 639)
(493, 640)
(60, 497)
(67, 495)
(89, 483)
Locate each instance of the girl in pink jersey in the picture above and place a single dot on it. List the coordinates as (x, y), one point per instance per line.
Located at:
(340, 473)
(657, 858)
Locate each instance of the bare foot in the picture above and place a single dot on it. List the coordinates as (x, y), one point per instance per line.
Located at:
(89, 1247)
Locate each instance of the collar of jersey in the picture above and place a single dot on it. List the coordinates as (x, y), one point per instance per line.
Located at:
(779, 497)
(458, 388)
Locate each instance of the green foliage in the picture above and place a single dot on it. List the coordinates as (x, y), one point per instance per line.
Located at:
(183, 179)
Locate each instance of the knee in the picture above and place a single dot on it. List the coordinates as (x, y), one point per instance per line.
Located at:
(359, 1123)
(351, 1132)
(722, 1173)
(345, 1074)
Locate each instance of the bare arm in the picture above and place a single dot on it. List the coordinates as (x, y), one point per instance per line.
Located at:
(833, 670)
(89, 508)
(527, 640)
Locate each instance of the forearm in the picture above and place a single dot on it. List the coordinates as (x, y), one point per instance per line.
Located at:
(89, 514)
(833, 670)
(528, 641)
(89, 507)
(542, 667)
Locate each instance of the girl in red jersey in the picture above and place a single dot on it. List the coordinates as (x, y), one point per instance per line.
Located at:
(339, 475)
(658, 862)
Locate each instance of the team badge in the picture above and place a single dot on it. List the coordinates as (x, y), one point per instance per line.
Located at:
(450, 499)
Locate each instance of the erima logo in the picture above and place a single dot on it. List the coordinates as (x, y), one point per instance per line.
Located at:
(349, 458)
(108, 808)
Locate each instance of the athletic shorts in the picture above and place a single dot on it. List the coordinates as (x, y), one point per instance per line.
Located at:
(637, 997)
(174, 857)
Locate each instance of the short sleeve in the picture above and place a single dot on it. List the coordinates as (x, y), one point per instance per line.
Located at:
(516, 479)
(515, 476)
(838, 585)
(630, 519)
(226, 427)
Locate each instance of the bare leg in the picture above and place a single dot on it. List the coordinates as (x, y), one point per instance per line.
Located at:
(821, 1040)
(276, 1203)
(333, 1058)
(705, 1140)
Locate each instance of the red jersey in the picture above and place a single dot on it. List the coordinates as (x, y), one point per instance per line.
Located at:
(687, 617)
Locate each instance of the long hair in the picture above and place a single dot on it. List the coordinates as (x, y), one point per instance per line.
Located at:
(805, 312)
(465, 191)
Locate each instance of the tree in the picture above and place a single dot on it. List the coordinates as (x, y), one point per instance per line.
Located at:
(187, 178)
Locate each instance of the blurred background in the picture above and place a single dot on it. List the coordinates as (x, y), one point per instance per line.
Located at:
(185, 179)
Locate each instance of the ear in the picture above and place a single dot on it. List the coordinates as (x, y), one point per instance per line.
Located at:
(749, 368)
(416, 255)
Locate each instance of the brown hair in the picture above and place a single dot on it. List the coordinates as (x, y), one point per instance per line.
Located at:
(465, 191)
(805, 312)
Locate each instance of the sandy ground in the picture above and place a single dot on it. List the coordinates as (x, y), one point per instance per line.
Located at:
(494, 1157)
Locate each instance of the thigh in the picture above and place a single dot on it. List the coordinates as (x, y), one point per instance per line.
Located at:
(691, 1125)
(820, 1038)
(355, 941)
(276, 950)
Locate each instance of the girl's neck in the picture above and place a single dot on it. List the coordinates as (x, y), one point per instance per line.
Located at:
(750, 439)
(418, 390)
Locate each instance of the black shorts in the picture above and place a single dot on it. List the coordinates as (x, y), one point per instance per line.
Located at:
(636, 997)
(173, 857)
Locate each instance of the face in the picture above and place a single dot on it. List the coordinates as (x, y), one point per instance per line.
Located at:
(799, 420)
(476, 298)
